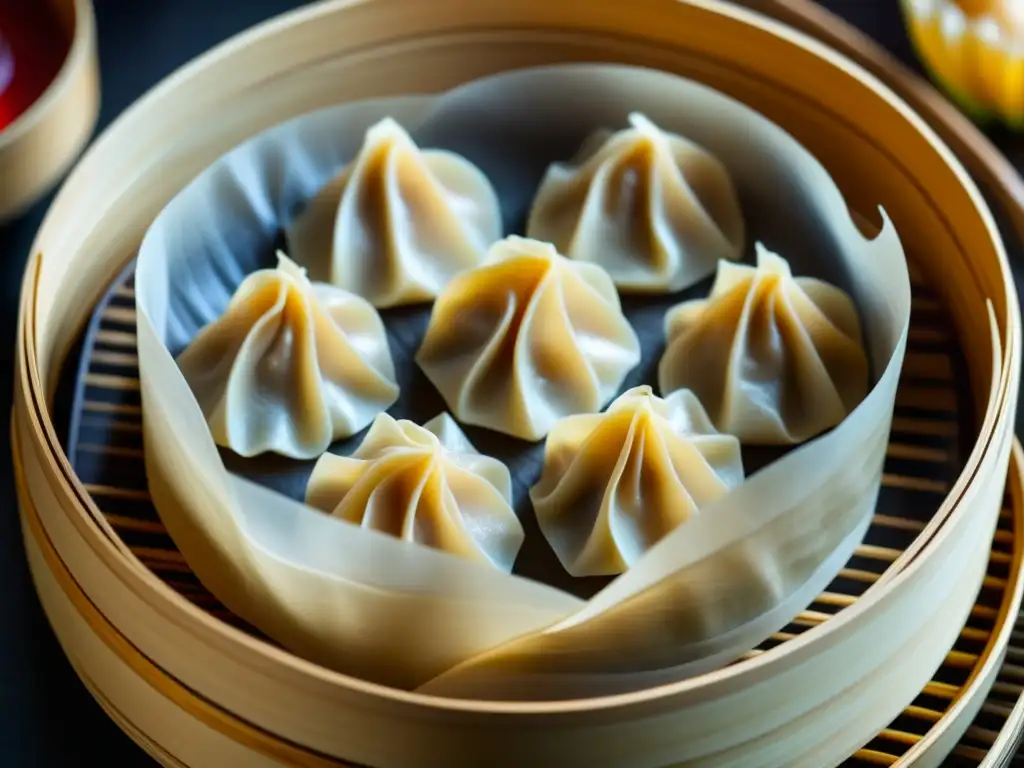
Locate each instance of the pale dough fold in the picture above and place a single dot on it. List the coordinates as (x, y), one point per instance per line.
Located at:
(426, 485)
(615, 483)
(775, 359)
(654, 209)
(290, 366)
(398, 222)
(526, 339)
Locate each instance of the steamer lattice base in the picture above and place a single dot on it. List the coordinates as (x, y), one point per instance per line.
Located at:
(931, 432)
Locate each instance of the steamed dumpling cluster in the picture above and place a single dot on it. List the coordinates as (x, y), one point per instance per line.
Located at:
(654, 209)
(615, 483)
(426, 485)
(529, 342)
(398, 222)
(291, 366)
(527, 339)
(775, 359)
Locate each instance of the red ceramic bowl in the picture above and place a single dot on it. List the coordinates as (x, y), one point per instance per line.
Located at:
(49, 95)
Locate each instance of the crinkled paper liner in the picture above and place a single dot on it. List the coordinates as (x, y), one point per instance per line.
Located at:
(371, 606)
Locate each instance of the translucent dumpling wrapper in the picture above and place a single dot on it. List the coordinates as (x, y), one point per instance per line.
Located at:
(526, 339)
(291, 366)
(398, 222)
(614, 484)
(427, 485)
(367, 604)
(775, 359)
(653, 208)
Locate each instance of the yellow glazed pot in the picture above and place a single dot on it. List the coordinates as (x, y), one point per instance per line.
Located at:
(975, 50)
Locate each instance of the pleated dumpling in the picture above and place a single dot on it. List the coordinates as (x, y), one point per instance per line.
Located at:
(654, 209)
(615, 483)
(775, 359)
(426, 485)
(526, 339)
(290, 366)
(398, 222)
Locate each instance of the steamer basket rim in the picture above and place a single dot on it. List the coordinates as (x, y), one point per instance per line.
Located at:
(1005, 624)
(269, 654)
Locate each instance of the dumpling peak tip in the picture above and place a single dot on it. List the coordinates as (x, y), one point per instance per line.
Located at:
(767, 258)
(422, 437)
(387, 128)
(517, 245)
(645, 126)
(641, 390)
(289, 267)
(528, 242)
(641, 398)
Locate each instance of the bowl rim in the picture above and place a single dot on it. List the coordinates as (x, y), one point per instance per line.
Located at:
(77, 57)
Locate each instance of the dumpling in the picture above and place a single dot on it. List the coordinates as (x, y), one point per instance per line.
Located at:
(426, 485)
(290, 366)
(654, 209)
(398, 222)
(775, 359)
(615, 483)
(526, 339)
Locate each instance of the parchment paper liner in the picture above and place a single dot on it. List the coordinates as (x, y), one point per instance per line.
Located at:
(370, 606)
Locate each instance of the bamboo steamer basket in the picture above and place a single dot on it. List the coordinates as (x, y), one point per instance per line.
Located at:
(104, 446)
(40, 145)
(923, 735)
(322, 55)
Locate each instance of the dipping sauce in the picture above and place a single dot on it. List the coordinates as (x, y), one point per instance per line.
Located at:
(33, 46)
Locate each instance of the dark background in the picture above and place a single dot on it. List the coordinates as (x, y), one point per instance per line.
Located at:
(46, 717)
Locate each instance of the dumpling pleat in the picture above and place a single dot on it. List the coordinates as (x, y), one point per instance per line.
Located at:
(758, 367)
(573, 513)
(834, 328)
(472, 512)
(424, 485)
(652, 208)
(398, 223)
(208, 366)
(549, 357)
(489, 384)
(332, 478)
(526, 339)
(775, 360)
(278, 372)
(615, 484)
(715, 220)
(809, 389)
(275, 376)
(695, 357)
